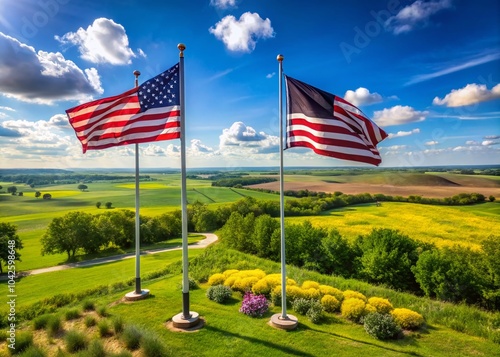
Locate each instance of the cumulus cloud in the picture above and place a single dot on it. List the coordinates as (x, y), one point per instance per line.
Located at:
(7, 109)
(104, 41)
(241, 137)
(403, 133)
(43, 77)
(241, 35)
(398, 115)
(362, 96)
(415, 15)
(490, 142)
(431, 143)
(470, 94)
(9, 133)
(223, 4)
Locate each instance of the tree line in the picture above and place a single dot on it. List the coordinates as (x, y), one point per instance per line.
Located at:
(388, 257)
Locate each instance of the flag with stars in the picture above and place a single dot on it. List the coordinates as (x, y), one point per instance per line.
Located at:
(150, 112)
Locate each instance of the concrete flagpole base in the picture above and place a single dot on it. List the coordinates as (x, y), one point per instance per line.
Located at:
(289, 323)
(134, 296)
(182, 322)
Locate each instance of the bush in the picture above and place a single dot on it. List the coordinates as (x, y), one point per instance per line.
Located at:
(95, 349)
(75, 341)
(216, 279)
(131, 337)
(301, 305)
(348, 294)
(102, 311)
(103, 327)
(315, 312)
(88, 305)
(330, 290)
(152, 347)
(219, 293)
(254, 305)
(71, 314)
(308, 284)
(352, 309)
(261, 287)
(245, 284)
(383, 306)
(407, 319)
(276, 295)
(40, 322)
(53, 325)
(381, 326)
(229, 272)
(294, 292)
(89, 321)
(24, 340)
(330, 303)
(369, 309)
(311, 293)
(33, 351)
(118, 324)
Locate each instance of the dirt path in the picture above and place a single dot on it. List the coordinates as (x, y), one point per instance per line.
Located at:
(209, 239)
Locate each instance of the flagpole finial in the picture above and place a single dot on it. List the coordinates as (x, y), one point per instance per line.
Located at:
(137, 73)
(181, 48)
(280, 58)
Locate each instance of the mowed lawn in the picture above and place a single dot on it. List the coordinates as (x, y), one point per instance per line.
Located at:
(441, 225)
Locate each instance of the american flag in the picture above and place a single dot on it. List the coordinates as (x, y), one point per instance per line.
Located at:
(150, 112)
(329, 125)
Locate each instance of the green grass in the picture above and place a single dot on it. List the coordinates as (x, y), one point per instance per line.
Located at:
(441, 225)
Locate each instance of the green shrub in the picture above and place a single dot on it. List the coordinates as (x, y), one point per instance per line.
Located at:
(103, 328)
(219, 293)
(90, 321)
(24, 340)
(118, 324)
(33, 351)
(381, 326)
(54, 325)
(315, 312)
(352, 309)
(71, 314)
(152, 346)
(407, 319)
(88, 305)
(95, 349)
(301, 305)
(102, 311)
(75, 341)
(131, 337)
(40, 322)
(330, 303)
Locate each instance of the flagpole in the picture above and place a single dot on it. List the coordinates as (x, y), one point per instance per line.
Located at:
(138, 293)
(186, 318)
(283, 320)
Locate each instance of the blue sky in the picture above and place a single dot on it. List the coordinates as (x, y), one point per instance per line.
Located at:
(427, 72)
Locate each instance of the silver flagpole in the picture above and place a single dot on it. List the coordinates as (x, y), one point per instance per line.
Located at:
(284, 321)
(187, 318)
(138, 293)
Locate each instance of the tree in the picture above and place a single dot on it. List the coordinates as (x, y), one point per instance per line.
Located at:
(82, 187)
(341, 257)
(12, 190)
(38, 194)
(108, 205)
(47, 196)
(491, 198)
(264, 229)
(98, 204)
(71, 232)
(10, 244)
(20, 194)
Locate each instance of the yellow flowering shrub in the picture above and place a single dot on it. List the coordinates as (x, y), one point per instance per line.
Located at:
(229, 272)
(330, 303)
(352, 308)
(258, 273)
(231, 280)
(383, 306)
(311, 293)
(348, 294)
(261, 287)
(369, 308)
(245, 284)
(216, 279)
(308, 284)
(407, 319)
(330, 290)
(294, 292)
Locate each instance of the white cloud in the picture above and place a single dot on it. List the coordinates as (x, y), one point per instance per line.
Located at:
(271, 75)
(362, 96)
(490, 142)
(403, 133)
(471, 142)
(104, 41)
(431, 143)
(7, 108)
(241, 35)
(223, 4)
(141, 53)
(398, 115)
(492, 137)
(416, 14)
(245, 139)
(43, 77)
(470, 94)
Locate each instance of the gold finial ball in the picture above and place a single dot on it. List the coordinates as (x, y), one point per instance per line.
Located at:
(137, 73)
(280, 58)
(181, 46)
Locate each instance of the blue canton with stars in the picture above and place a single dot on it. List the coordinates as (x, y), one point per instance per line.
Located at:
(160, 91)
